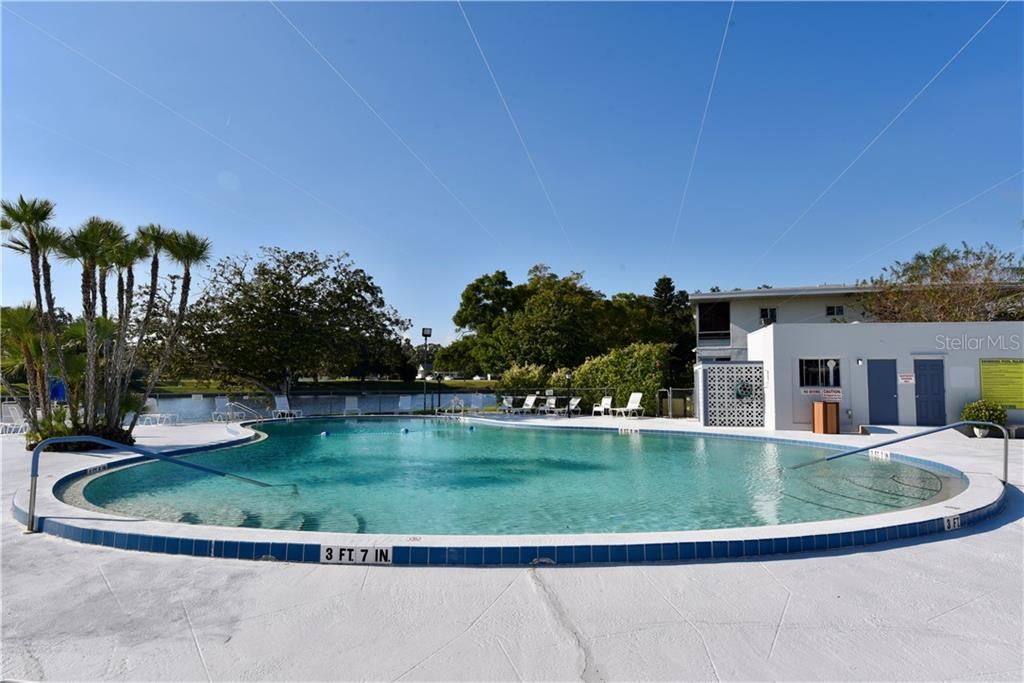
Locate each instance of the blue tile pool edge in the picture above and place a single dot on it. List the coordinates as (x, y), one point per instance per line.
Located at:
(599, 554)
(504, 556)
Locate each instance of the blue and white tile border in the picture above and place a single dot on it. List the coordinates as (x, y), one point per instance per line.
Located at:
(970, 507)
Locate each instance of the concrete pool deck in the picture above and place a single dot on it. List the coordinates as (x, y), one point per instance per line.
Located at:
(911, 609)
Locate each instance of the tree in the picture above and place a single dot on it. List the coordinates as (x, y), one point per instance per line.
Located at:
(186, 249)
(559, 325)
(289, 314)
(459, 356)
(949, 285)
(27, 218)
(485, 301)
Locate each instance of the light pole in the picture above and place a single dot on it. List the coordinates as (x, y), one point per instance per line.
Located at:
(426, 335)
(568, 395)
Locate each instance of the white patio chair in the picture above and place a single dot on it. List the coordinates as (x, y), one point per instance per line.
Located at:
(550, 406)
(506, 404)
(223, 412)
(632, 407)
(604, 407)
(352, 404)
(282, 408)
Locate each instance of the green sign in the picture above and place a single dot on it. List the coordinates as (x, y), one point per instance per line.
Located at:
(1002, 382)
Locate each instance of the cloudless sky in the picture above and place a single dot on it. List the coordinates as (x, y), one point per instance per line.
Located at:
(608, 97)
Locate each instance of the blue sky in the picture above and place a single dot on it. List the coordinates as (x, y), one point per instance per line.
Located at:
(608, 97)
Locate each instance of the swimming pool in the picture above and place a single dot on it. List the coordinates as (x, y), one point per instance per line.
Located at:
(417, 476)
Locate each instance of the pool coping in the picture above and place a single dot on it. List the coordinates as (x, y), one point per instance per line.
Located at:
(982, 498)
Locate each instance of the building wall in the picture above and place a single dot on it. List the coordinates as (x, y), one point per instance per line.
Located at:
(745, 317)
(780, 347)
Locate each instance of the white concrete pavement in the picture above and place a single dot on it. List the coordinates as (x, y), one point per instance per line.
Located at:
(923, 609)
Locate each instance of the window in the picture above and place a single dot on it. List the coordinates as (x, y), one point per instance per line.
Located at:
(713, 323)
(819, 372)
(768, 316)
(834, 311)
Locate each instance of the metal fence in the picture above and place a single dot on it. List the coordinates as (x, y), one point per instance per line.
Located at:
(200, 407)
(674, 402)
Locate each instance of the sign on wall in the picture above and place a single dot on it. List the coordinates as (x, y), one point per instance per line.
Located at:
(1002, 381)
(905, 377)
(823, 393)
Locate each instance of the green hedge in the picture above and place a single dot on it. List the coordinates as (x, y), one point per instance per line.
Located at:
(520, 377)
(637, 367)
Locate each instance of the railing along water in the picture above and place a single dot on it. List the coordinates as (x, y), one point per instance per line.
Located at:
(41, 447)
(908, 437)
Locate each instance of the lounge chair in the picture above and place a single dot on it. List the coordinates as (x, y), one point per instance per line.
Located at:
(506, 405)
(352, 404)
(604, 407)
(527, 406)
(151, 414)
(632, 407)
(12, 419)
(573, 407)
(223, 412)
(550, 406)
(404, 404)
(282, 408)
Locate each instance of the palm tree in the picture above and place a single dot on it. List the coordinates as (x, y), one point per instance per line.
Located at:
(85, 245)
(50, 240)
(26, 217)
(128, 252)
(19, 339)
(154, 238)
(186, 249)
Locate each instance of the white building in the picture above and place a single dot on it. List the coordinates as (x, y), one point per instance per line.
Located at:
(724, 319)
(879, 373)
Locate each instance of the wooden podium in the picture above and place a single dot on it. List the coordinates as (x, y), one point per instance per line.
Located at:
(825, 417)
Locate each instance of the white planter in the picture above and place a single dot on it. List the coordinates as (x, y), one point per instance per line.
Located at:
(980, 432)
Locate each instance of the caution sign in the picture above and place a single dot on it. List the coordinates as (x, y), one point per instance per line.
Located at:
(1002, 381)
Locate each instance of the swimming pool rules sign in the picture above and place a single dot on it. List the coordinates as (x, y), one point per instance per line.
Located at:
(340, 554)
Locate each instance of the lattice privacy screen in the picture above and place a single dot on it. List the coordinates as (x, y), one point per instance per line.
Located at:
(731, 395)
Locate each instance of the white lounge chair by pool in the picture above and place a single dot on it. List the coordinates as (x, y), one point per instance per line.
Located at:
(573, 407)
(550, 406)
(604, 407)
(223, 412)
(527, 406)
(506, 404)
(632, 407)
(282, 408)
(12, 419)
(151, 414)
(405, 404)
(352, 405)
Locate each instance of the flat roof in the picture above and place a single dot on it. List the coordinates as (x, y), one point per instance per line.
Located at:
(814, 290)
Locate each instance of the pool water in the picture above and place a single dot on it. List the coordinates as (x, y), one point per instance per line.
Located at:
(445, 477)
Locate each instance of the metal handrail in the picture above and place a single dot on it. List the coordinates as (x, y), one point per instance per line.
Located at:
(953, 425)
(41, 446)
(246, 409)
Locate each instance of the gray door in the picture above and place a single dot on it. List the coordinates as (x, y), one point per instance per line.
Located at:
(930, 387)
(882, 404)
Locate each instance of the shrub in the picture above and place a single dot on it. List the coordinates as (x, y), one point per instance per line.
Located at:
(637, 367)
(520, 377)
(984, 411)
